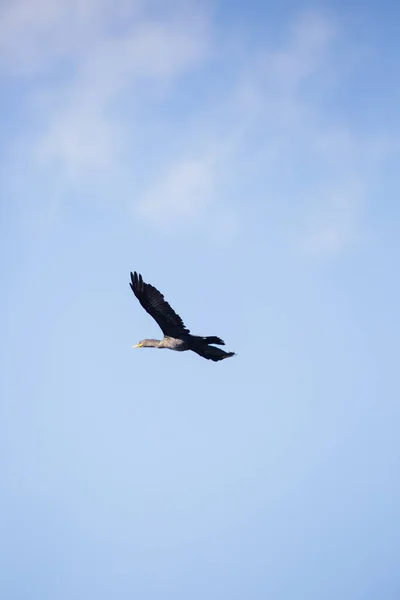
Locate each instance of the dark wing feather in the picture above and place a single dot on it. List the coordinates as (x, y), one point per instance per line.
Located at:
(211, 352)
(153, 302)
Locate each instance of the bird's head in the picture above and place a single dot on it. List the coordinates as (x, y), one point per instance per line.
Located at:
(147, 344)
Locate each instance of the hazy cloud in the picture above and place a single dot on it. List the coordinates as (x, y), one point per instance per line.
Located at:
(106, 63)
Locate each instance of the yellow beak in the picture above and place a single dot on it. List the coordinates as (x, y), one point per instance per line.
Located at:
(137, 346)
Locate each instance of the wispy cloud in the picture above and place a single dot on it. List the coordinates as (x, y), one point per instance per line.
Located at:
(36, 35)
(333, 223)
(325, 167)
(83, 131)
(259, 105)
(108, 73)
(183, 192)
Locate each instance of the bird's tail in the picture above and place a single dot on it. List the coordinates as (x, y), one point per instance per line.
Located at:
(211, 339)
(212, 353)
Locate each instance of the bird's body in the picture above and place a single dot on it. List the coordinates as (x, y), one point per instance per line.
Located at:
(176, 336)
(167, 342)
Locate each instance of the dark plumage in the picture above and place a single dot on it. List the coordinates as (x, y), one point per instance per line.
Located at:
(176, 335)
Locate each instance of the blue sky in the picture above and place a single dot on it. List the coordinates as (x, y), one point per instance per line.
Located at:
(244, 158)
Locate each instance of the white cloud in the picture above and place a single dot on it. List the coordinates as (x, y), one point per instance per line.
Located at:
(36, 34)
(180, 195)
(264, 96)
(263, 121)
(304, 54)
(333, 223)
(324, 168)
(82, 132)
(77, 141)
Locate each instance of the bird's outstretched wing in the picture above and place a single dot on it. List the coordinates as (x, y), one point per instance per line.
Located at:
(153, 302)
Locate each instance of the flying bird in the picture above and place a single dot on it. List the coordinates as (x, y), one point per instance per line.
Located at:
(176, 335)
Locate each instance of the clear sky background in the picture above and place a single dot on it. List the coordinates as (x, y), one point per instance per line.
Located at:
(244, 157)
